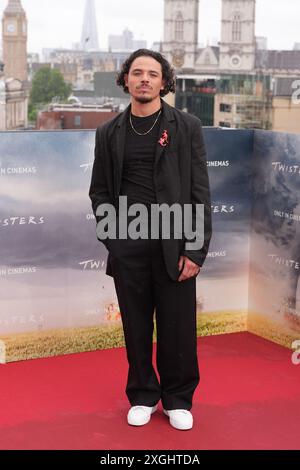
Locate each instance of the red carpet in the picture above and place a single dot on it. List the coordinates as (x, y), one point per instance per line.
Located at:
(248, 398)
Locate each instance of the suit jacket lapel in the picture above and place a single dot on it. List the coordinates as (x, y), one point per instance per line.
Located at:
(120, 147)
(159, 148)
(167, 124)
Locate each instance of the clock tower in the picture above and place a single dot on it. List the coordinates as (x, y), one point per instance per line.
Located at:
(14, 40)
(237, 47)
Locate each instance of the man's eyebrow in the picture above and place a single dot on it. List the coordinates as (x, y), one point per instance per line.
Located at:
(140, 70)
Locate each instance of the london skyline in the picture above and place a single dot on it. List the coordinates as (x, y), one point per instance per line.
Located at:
(47, 28)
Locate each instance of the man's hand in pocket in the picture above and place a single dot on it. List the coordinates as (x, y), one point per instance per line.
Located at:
(190, 268)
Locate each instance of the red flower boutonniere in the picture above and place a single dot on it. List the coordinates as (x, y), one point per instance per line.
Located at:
(163, 141)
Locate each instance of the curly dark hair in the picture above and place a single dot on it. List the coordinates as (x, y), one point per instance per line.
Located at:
(168, 72)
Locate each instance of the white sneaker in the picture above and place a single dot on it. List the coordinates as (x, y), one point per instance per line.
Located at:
(180, 419)
(139, 415)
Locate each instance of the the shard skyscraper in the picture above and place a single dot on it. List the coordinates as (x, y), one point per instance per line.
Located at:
(89, 37)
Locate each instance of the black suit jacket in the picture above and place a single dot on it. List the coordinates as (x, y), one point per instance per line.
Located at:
(180, 174)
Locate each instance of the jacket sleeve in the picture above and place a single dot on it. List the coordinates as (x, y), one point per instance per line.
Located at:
(98, 191)
(200, 192)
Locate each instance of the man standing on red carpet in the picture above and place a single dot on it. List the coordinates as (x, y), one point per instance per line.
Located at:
(154, 155)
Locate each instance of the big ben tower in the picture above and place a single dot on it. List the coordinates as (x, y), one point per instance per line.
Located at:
(14, 40)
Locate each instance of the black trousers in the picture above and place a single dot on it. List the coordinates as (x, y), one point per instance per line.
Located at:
(143, 287)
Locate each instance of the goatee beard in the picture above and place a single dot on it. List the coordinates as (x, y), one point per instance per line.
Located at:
(143, 99)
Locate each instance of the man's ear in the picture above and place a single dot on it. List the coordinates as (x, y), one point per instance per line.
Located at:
(126, 78)
(163, 84)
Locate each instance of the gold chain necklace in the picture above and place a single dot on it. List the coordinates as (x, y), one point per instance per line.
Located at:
(144, 133)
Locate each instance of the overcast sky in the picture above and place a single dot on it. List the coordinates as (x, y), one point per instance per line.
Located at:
(58, 23)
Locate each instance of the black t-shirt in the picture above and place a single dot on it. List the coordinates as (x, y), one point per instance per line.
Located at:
(137, 176)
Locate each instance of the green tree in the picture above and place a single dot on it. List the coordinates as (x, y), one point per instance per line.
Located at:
(47, 84)
(32, 112)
